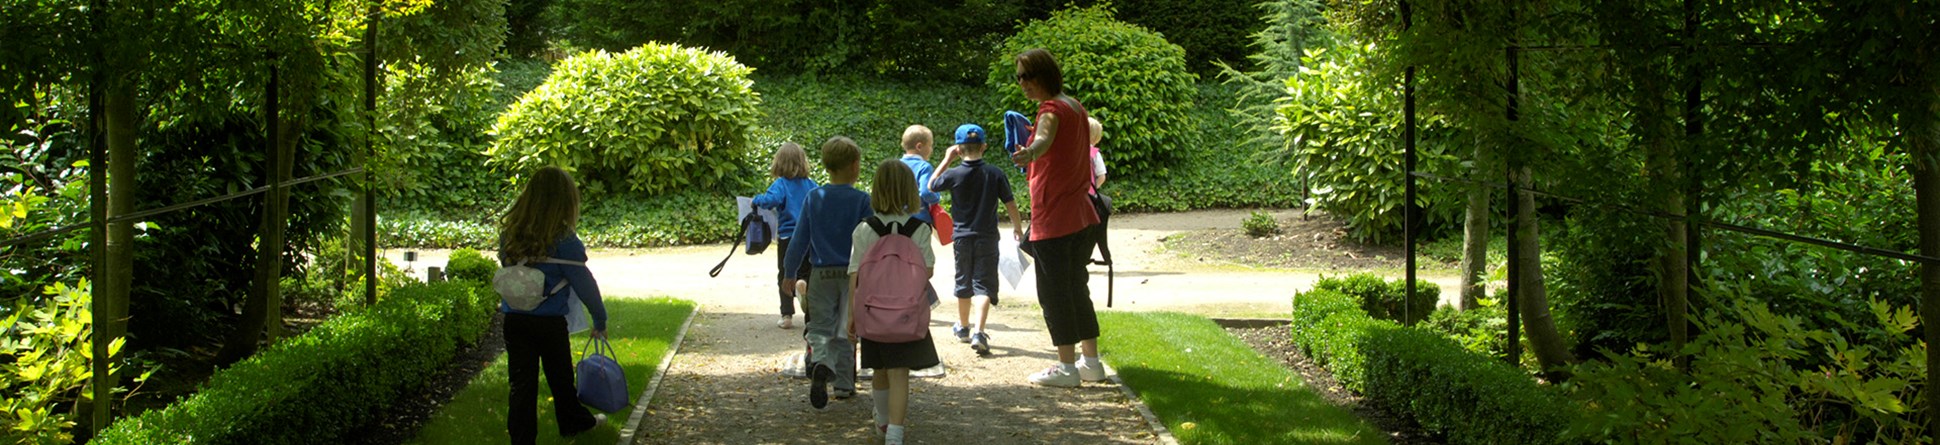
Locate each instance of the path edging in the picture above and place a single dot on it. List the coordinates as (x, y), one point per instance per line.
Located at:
(1151, 419)
(646, 397)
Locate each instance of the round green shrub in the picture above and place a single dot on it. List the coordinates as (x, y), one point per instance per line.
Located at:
(1260, 224)
(468, 264)
(654, 119)
(1128, 77)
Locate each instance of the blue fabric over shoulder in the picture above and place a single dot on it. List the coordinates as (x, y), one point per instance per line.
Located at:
(1016, 131)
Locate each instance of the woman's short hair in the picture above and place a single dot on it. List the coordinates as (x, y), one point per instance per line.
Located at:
(895, 190)
(1039, 66)
(547, 210)
(790, 162)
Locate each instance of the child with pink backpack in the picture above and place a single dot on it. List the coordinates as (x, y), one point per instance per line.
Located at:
(889, 277)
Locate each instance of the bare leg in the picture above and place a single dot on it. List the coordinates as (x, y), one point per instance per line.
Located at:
(982, 302)
(1067, 354)
(898, 395)
(963, 312)
(1088, 346)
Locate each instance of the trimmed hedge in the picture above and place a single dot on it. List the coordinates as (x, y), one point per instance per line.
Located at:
(1470, 398)
(318, 387)
(1382, 298)
(468, 264)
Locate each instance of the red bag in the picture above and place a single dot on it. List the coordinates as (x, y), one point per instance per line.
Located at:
(944, 227)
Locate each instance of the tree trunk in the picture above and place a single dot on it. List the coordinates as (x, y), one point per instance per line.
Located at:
(1920, 122)
(1475, 244)
(263, 309)
(1551, 353)
(1665, 173)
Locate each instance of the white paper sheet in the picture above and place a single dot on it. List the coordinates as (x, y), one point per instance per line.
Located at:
(743, 204)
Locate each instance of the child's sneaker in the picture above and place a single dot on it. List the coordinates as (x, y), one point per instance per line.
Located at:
(787, 322)
(962, 333)
(893, 434)
(1056, 376)
(842, 394)
(980, 342)
(1091, 370)
(818, 387)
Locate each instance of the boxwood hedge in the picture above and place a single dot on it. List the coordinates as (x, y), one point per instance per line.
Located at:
(1466, 397)
(319, 386)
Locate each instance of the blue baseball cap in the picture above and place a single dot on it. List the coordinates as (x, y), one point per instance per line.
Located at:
(969, 134)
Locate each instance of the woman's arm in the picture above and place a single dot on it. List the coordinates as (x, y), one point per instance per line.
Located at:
(1047, 129)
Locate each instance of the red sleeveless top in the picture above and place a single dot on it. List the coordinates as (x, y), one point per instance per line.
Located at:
(1059, 179)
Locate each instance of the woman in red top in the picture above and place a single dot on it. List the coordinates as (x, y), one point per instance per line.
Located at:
(1059, 173)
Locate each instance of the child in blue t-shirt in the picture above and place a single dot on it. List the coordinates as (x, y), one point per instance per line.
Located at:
(785, 195)
(822, 237)
(975, 189)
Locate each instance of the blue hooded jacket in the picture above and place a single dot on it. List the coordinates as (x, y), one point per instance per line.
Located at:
(1016, 131)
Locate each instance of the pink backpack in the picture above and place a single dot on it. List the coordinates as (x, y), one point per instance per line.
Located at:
(890, 286)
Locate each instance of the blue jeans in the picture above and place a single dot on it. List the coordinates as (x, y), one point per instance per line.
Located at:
(827, 309)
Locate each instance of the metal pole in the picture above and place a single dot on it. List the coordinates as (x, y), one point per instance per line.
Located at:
(1408, 212)
(370, 152)
(1515, 224)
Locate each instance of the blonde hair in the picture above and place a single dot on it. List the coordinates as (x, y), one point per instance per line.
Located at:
(791, 161)
(840, 152)
(547, 210)
(917, 134)
(1097, 130)
(895, 190)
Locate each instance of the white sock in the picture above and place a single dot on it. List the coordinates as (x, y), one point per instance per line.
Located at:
(1067, 368)
(881, 398)
(895, 433)
(1091, 361)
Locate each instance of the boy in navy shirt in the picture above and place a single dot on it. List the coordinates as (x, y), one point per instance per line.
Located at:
(822, 236)
(975, 188)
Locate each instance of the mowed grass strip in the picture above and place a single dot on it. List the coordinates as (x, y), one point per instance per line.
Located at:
(1209, 387)
(642, 332)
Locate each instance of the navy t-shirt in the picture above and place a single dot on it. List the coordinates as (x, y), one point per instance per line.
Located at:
(975, 188)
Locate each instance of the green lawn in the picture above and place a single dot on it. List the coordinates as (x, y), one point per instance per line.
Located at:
(1211, 388)
(641, 331)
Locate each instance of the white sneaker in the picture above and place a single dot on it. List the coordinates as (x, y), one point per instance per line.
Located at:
(1055, 376)
(1091, 371)
(787, 322)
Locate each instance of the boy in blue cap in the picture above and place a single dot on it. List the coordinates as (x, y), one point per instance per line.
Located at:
(976, 189)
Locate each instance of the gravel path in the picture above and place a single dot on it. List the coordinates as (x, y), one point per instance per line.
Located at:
(725, 386)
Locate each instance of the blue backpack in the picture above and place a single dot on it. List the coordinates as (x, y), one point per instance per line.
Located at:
(755, 234)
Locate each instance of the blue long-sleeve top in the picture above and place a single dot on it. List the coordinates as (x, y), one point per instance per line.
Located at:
(579, 281)
(829, 216)
(785, 195)
(923, 170)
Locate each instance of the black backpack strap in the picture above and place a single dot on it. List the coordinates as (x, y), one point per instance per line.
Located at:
(909, 229)
(731, 247)
(877, 225)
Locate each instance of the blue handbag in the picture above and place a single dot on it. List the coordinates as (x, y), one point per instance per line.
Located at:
(602, 384)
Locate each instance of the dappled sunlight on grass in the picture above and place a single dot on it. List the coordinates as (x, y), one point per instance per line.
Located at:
(641, 331)
(1211, 388)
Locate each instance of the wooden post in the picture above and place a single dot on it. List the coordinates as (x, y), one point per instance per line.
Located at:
(1511, 163)
(98, 219)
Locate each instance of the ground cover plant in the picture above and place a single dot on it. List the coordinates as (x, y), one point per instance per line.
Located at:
(642, 332)
(1210, 388)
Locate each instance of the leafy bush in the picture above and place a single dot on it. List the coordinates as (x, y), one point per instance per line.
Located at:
(468, 264)
(1225, 170)
(1468, 398)
(432, 139)
(430, 233)
(1745, 383)
(1211, 31)
(1482, 330)
(45, 366)
(317, 387)
(652, 120)
(1128, 77)
(1383, 299)
(1345, 128)
(1260, 224)
(47, 189)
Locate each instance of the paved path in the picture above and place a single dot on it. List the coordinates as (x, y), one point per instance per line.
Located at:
(725, 386)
